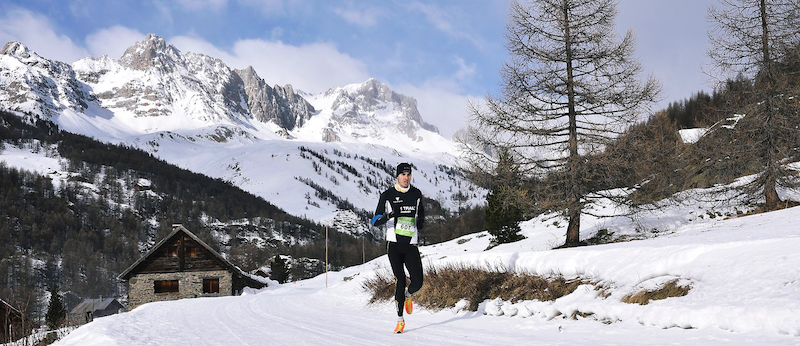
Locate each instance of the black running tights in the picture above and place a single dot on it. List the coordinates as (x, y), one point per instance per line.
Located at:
(408, 255)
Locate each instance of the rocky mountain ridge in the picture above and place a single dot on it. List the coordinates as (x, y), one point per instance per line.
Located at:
(194, 111)
(155, 80)
(38, 85)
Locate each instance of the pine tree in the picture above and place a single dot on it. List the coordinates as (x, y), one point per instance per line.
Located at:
(56, 312)
(502, 214)
(279, 271)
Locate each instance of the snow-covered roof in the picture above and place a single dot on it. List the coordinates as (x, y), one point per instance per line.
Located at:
(88, 305)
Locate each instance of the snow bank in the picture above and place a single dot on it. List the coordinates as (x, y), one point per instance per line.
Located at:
(692, 135)
(742, 274)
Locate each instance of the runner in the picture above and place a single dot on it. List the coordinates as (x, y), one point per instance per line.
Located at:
(400, 208)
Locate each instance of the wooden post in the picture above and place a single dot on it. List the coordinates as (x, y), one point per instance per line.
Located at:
(326, 256)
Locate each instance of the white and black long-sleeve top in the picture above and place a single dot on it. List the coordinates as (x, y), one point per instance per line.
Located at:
(407, 217)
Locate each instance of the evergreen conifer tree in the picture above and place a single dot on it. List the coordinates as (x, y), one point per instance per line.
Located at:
(56, 311)
(502, 214)
(279, 271)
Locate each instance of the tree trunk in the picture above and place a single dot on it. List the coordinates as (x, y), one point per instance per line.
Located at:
(770, 192)
(766, 59)
(574, 227)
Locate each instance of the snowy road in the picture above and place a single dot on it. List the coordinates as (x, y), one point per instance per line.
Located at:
(743, 272)
(307, 313)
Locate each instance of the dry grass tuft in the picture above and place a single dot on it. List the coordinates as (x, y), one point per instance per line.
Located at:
(446, 286)
(381, 286)
(670, 289)
(763, 208)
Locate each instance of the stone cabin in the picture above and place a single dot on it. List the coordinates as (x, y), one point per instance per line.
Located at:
(91, 308)
(183, 266)
(11, 323)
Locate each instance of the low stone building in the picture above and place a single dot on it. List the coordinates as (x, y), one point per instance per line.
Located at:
(88, 309)
(183, 266)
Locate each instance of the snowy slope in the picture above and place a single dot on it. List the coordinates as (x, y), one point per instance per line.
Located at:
(745, 290)
(194, 111)
(273, 168)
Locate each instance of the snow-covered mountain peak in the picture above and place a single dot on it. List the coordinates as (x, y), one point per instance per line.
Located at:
(371, 112)
(155, 87)
(18, 50)
(375, 104)
(152, 52)
(31, 83)
(248, 75)
(372, 90)
(280, 105)
(195, 111)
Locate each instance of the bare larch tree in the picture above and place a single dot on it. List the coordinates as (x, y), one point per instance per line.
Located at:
(758, 39)
(569, 87)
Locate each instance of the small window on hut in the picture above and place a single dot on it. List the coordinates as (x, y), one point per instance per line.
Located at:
(165, 286)
(210, 285)
(191, 251)
(173, 251)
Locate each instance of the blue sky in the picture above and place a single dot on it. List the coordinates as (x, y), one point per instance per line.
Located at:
(441, 52)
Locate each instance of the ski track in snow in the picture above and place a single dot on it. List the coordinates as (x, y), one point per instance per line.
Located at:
(307, 313)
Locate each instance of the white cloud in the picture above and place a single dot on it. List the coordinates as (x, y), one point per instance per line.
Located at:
(441, 101)
(442, 20)
(465, 72)
(366, 17)
(440, 105)
(318, 67)
(37, 34)
(276, 33)
(163, 12)
(313, 68)
(198, 5)
(266, 6)
(112, 41)
(198, 45)
(279, 7)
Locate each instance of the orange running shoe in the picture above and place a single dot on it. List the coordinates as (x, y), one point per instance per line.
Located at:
(399, 328)
(409, 305)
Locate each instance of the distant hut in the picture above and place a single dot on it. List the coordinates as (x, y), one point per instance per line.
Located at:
(11, 323)
(261, 271)
(142, 185)
(91, 308)
(183, 266)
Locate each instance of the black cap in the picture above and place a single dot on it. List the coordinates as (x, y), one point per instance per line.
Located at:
(403, 168)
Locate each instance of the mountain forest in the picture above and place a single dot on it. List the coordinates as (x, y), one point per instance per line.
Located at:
(118, 201)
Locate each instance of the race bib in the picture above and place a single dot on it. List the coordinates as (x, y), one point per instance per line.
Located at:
(406, 226)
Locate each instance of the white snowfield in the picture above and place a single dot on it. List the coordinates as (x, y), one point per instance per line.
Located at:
(743, 273)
